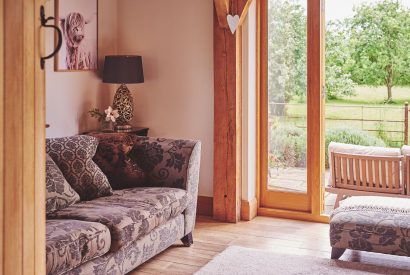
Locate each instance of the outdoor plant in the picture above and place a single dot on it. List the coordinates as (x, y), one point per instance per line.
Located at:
(287, 144)
(287, 147)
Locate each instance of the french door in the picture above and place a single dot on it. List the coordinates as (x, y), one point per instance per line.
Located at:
(291, 107)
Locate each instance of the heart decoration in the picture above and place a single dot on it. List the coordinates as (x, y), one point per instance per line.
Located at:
(233, 22)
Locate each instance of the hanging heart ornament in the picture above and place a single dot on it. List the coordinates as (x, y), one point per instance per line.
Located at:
(233, 22)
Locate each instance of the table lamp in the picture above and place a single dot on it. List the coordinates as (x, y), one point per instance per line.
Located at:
(123, 69)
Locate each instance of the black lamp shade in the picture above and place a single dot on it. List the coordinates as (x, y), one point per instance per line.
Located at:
(123, 69)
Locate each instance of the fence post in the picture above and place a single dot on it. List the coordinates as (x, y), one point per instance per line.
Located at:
(406, 123)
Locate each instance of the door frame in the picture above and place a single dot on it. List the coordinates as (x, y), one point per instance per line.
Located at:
(22, 139)
(315, 113)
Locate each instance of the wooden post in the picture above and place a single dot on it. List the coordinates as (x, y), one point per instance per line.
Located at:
(227, 111)
(22, 139)
(406, 123)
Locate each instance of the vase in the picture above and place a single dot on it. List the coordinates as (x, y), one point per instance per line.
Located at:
(106, 126)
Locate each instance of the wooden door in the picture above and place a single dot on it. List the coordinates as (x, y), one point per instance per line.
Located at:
(291, 159)
(22, 137)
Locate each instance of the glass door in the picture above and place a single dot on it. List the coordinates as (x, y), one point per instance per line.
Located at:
(289, 126)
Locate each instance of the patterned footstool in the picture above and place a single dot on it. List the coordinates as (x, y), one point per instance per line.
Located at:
(375, 224)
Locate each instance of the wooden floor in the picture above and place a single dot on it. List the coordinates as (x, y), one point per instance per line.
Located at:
(277, 235)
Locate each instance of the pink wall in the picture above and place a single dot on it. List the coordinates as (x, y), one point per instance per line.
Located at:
(175, 39)
(69, 95)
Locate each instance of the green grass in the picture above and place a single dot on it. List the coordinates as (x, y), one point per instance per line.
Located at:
(367, 104)
(375, 96)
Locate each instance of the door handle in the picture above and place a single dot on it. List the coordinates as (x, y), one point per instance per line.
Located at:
(44, 21)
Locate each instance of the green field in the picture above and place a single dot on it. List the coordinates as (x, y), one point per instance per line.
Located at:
(375, 96)
(366, 110)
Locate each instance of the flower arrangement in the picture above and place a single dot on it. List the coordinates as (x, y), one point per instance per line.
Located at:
(108, 117)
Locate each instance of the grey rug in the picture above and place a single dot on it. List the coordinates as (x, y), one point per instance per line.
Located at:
(240, 260)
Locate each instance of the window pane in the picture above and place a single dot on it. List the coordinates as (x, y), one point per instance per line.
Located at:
(287, 95)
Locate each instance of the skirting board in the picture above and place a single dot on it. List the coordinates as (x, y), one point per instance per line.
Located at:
(249, 209)
(205, 206)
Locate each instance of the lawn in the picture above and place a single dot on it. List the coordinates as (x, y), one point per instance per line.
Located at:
(375, 96)
(366, 111)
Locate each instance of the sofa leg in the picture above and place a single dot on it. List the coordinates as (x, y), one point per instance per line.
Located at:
(188, 240)
(337, 253)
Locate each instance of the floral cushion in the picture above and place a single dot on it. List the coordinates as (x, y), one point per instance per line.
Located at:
(113, 158)
(129, 213)
(73, 155)
(71, 243)
(375, 227)
(59, 193)
(135, 253)
(165, 161)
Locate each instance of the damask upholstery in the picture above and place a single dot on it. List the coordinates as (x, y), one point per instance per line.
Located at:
(59, 193)
(135, 253)
(144, 220)
(165, 163)
(129, 213)
(171, 163)
(73, 155)
(71, 243)
(113, 158)
(374, 224)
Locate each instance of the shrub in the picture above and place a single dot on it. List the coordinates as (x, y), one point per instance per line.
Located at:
(287, 147)
(350, 136)
(287, 144)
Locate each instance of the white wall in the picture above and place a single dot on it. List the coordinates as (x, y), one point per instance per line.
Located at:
(175, 39)
(69, 95)
(249, 105)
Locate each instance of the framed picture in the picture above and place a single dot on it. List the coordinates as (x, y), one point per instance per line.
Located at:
(78, 22)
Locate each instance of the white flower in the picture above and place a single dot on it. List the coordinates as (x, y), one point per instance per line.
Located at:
(111, 114)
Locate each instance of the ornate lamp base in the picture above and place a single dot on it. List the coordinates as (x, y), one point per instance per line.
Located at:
(123, 102)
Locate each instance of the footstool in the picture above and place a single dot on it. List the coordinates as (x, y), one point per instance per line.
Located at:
(375, 224)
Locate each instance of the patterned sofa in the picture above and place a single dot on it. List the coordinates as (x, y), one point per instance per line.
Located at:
(116, 200)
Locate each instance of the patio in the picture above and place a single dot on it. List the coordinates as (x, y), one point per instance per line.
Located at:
(293, 179)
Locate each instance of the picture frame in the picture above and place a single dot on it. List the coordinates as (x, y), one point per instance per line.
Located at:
(78, 22)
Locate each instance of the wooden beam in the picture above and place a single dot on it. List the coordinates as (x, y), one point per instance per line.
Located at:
(315, 103)
(22, 139)
(227, 114)
(222, 10)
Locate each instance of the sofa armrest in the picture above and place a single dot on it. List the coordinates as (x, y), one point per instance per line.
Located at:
(171, 163)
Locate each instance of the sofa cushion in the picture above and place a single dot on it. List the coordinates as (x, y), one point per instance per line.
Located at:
(73, 155)
(129, 213)
(70, 243)
(59, 194)
(113, 158)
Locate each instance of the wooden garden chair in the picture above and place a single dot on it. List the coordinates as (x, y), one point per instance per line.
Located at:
(365, 175)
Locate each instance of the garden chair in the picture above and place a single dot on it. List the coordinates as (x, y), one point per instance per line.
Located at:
(366, 171)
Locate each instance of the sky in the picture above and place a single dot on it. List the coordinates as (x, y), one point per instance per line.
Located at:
(339, 9)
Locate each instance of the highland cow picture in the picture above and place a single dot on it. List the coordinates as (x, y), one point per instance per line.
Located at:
(78, 22)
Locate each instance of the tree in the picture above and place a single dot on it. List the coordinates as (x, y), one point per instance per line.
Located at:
(286, 51)
(338, 60)
(380, 39)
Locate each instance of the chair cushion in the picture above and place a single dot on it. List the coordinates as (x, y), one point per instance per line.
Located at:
(73, 155)
(69, 243)
(129, 213)
(59, 193)
(405, 150)
(113, 158)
